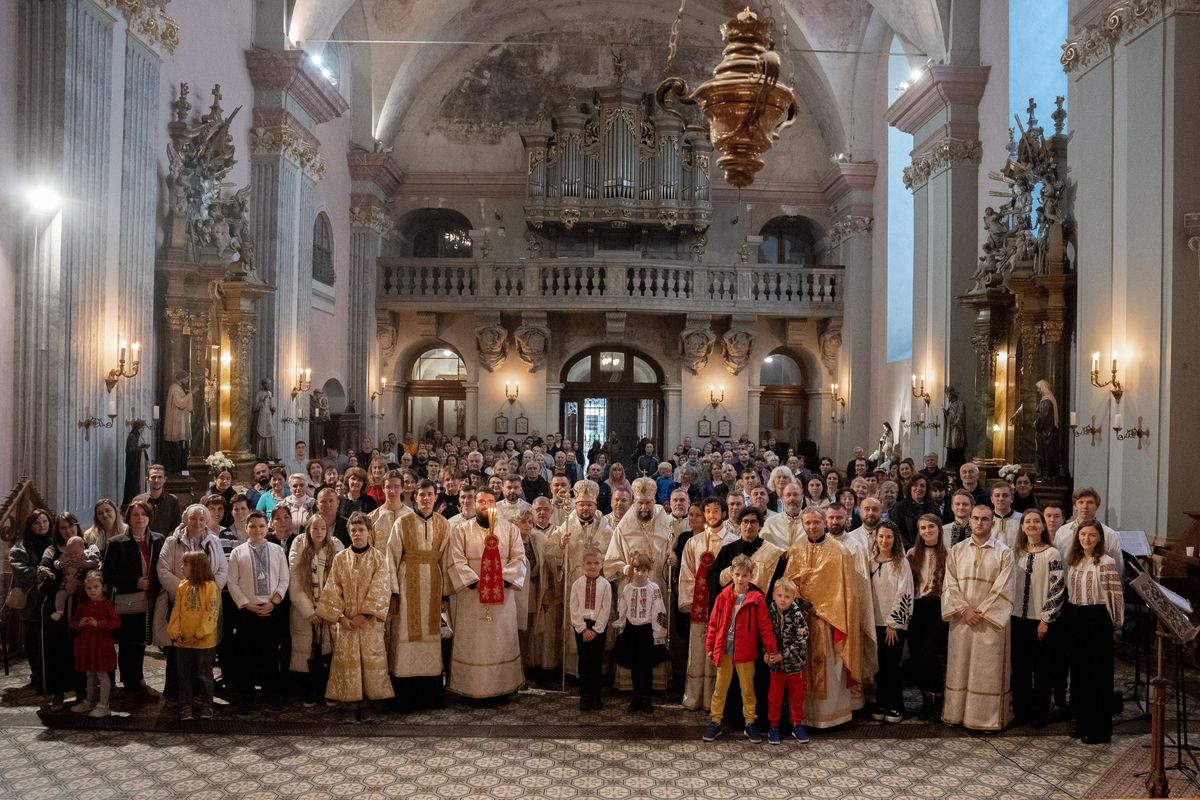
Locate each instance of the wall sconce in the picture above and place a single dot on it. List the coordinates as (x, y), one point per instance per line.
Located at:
(838, 400)
(1138, 433)
(714, 399)
(1112, 383)
(119, 372)
(375, 397)
(1092, 430)
(904, 426)
(512, 391)
(922, 425)
(919, 391)
(95, 422)
(303, 382)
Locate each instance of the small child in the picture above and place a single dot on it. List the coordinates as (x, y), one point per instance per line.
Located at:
(788, 665)
(76, 560)
(666, 484)
(193, 629)
(738, 625)
(642, 627)
(591, 607)
(95, 650)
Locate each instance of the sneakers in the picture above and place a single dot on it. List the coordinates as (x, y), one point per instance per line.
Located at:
(752, 734)
(773, 736)
(82, 708)
(100, 710)
(205, 712)
(185, 714)
(800, 735)
(893, 716)
(711, 732)
(877, 714)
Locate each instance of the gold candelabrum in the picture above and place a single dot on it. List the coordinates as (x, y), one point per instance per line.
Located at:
(302, 385)
(745, 104)
(375, 397)
(115, 374)
(714, 398)
(919, 391)
(1112, 384)
(839, 404)
(512, 391)
(1138, 433)
(1092, 430)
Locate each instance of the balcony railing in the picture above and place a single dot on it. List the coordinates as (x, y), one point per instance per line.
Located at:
(580, 284)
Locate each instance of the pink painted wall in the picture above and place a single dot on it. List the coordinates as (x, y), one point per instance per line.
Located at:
(10, 208)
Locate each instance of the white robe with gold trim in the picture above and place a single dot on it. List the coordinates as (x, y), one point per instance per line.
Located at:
(654, 538)
(415, 549)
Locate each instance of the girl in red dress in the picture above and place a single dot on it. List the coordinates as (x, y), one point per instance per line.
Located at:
(95, 650)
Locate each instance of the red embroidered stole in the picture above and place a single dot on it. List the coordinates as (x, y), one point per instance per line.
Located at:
(700, 588)
(491, 571)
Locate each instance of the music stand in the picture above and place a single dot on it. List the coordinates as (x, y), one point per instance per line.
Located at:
(1172, 623)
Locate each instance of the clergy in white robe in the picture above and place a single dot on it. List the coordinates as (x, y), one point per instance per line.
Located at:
(699, 555)
(646, 529)
(384, 517)
(784, 530)
(584, 529)
(485, 659)
(542, 646)
(826, 577)
(415, 549)
(836, 517)
(513, 501)
(977, 602)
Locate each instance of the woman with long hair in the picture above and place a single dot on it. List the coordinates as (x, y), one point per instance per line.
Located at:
(892, 597)
(24, 558)
(356, 497)
(376, 472)
(106, 525)
(816, 495)
(58, 665)
(617, 479)
(310, 558)
(1095, 608)
(915, 503)
(927, 631)
(1038, 595)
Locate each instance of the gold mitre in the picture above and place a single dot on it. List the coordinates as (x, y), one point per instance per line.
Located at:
(586, 491)
(644, 489)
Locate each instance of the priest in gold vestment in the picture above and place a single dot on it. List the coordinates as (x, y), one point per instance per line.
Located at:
(486, 567)
(825, 577)
(415, 550)
(977, 602)
(355, 597)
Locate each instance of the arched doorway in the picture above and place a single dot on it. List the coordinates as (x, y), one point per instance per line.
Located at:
(783, 407)
(612, 392)
(436, 396)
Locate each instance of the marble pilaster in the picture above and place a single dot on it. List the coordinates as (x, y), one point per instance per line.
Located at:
(673, 416)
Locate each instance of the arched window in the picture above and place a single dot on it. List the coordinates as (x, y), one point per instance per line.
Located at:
(437, 398)
(322, 254)
(612, 395)
(789, 240)
(437, 233)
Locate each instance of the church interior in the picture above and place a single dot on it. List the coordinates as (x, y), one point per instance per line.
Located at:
(343, 232)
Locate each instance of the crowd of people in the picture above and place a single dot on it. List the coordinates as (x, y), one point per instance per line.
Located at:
(768, 595)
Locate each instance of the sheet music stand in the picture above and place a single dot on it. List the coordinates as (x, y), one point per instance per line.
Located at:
(1171, 623)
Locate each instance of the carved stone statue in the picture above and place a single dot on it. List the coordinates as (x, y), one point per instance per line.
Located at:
(955, 421)
(532, 341)
(318, 416)
(1046, 426)
(263, 437)
(135, 449)
(830, 341)
(887, 445)
(177, 423)
(737, 349)
(695, 344)
(492, 343)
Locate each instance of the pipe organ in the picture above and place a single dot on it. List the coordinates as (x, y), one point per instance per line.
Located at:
(616, 161)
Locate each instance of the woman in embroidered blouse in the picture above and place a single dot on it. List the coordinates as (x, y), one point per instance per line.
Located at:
(1039, 591)
(892, 594)
(927, 631)
(310, 558)
(1095, 607)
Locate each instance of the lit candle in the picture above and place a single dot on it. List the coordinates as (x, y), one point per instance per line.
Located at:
(833, 413)
(1116, 420)
(112, 408)
(914, 380)
(1074, 419)
(136, 346)
(1114, 361)
(922, 383)
(835, 389)
(124, 347)
(308, 376)
(1096, 361)
(154, 413)
(383, 382)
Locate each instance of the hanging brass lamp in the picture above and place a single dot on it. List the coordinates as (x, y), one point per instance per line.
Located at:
(745, 104)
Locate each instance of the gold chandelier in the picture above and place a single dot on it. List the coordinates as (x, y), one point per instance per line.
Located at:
(745, 104)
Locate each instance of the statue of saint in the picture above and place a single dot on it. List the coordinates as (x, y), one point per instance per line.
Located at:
(1046, 430)
(177, 426)
(955, 421)
(263, 438)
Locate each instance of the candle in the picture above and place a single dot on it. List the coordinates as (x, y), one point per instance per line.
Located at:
(1096, 361)
(914, 380)
(124, 347)
(154, 413)
(1114, 369)
(1116, 420)
(1074, 419)
(112, 408)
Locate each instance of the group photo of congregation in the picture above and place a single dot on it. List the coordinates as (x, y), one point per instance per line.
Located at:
(506, 399)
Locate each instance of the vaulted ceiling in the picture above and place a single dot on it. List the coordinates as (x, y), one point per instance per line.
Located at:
(421, 75)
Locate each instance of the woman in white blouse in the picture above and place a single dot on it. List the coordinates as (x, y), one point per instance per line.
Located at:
(892, 594)
(1039, 590)
(1095, 607)
(927, 631)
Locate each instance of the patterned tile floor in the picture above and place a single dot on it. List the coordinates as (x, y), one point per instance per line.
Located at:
(531, 747)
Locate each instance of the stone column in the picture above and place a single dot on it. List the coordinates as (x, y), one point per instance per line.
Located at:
(941, 111)
(672, 433)
(554, 408)
(754, 410)
(474, 424)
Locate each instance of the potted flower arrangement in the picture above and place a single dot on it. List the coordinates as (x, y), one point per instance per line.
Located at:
(217, 462)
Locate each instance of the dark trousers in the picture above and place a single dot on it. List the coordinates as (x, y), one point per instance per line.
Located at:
(33, 649)
(1091, 655)
(1032, 662)
(131, 649)
(889, 682)
(171, 680)
(591, 665)
(258, 654)
(227, 649)
(927, 635)
(194, 668)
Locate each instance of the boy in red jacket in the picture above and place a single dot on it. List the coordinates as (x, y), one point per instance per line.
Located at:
(738, 626)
